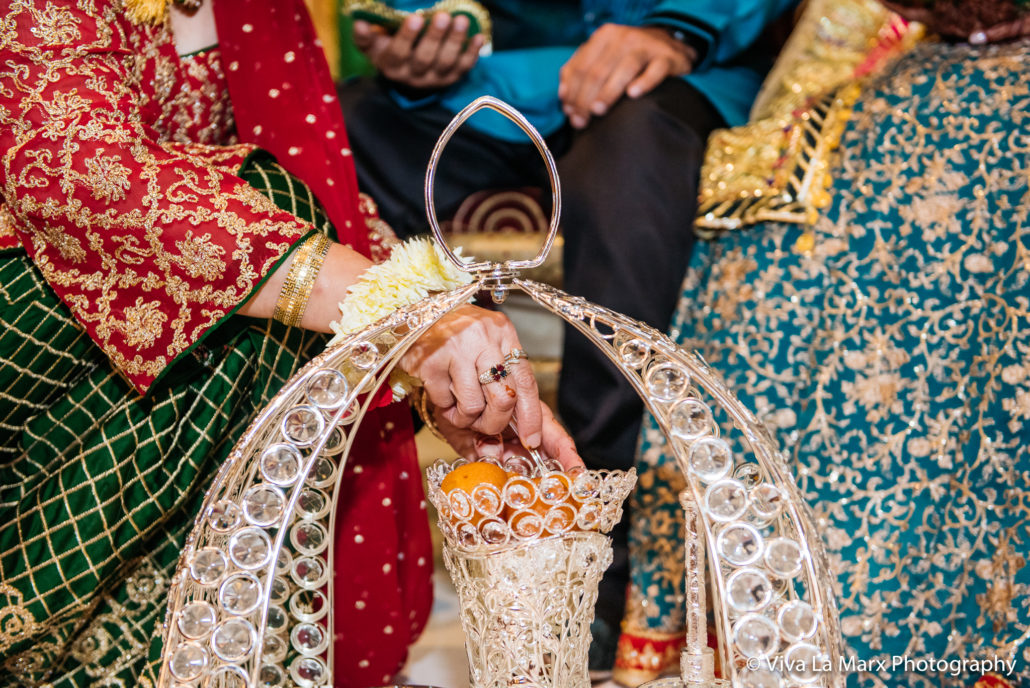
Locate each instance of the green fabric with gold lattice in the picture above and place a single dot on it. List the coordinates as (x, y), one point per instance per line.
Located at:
(98, 485)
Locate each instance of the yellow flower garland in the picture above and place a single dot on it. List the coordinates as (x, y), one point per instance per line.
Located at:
(415, 269)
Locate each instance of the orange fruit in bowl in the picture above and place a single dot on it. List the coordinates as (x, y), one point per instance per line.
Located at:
(553, 492)
(468, 478)
(469, 475)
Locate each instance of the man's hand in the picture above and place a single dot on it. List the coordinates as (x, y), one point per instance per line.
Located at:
(619, 60)
(441, 56)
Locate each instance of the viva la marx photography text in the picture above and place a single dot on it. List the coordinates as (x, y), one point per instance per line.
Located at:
(894, 664)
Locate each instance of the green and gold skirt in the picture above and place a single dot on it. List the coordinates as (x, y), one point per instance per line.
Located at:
(99, 486)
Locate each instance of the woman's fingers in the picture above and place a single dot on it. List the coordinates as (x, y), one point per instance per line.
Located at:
(477, 375)
(528, 416)
(467, 392)
(438, 389)
(494, 380)
(556, 442)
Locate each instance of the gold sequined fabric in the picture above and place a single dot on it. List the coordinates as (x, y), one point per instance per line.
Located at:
(775, 167)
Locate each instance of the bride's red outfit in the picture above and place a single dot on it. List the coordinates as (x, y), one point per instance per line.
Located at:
(118, 176)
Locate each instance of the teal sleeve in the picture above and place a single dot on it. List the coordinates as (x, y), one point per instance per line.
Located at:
(723, 28)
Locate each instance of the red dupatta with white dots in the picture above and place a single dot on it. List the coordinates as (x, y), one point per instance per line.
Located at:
(284, 101)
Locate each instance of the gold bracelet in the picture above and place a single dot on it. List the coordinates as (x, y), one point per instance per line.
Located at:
(293, 298)
(421, 404)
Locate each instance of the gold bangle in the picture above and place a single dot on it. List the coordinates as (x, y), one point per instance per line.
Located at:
(421, 403)
(293, 298)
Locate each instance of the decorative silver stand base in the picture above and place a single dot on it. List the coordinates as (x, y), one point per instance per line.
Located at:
(526, 611)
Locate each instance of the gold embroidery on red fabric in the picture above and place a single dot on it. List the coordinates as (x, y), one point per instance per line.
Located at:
(55, 25)
(117, 182)
(200, 257)
(106, 178)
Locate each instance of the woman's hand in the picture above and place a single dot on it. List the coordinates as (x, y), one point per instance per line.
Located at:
(556, 442)
(451, 356)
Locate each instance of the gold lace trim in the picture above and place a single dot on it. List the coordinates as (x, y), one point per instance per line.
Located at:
(776, 167)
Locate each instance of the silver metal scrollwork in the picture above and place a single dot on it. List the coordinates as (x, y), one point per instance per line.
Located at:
(249, 603)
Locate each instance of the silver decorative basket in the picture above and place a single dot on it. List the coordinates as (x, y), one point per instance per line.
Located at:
(248, 603)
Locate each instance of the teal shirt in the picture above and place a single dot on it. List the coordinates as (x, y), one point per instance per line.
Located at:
(534, 38)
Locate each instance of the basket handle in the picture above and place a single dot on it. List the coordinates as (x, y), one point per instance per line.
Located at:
(491, 103)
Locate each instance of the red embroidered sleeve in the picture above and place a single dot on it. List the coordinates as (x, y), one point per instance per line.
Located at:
(149, 244)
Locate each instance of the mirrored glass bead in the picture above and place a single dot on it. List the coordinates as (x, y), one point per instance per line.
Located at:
(188, 662)
(280, 464)
(196, 619)
(634, 352)
(783, 557)
(748, 590)
(798, 621)
(710, 458)
(309, 537)
(667, 382)
(690, 419)
(302, 425)
(240, 593)
(739, 544)
(224, 516)
(327, 389)
(263, 504)
(308, 671)
(309, 572)
(726, 500)
(755, 636)
(804, 663)
(208, 565)
(250, 548)
(233, 639)
(309, 639)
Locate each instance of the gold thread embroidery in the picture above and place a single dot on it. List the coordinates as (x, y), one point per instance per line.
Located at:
(16, 622)
(116, 219)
